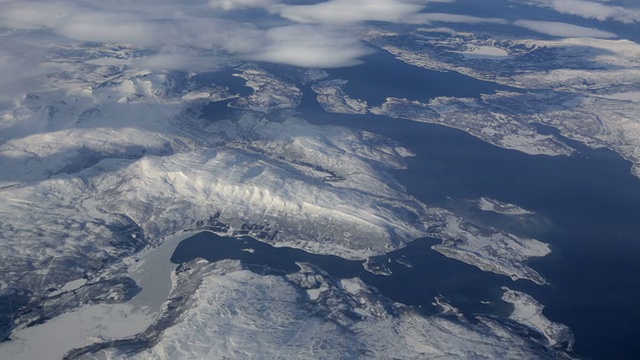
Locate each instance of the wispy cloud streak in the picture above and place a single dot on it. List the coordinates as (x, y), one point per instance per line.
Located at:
(560, 29)
(591, 10)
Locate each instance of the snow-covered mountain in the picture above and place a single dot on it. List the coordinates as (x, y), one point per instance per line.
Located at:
(107, 160)
(106, 152)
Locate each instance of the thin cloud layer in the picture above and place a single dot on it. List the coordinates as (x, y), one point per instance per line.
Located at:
(340, 12)
(21, 64)
(125, 25)
(310, 46)
(425, 18)
(349, 11)
(560, 29)
(591, 10)
(192, 34)
(240, 4)
(184, 35)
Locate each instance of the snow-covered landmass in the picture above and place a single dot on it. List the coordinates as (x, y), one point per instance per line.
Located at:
(490, 249)
(479, 119)
(269, 92)
(103, 158)
(236, 313)
(312, 75)
(378, 266)
(107, 160)
(528, 311)
(584, 65)
(292, 180)
(593, 120)
(497, 206)
(405, 262)
(505, 119)
(333, 99)
(447, 309)
(587, 88)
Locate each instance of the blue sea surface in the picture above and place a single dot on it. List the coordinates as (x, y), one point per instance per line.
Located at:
(382, 76)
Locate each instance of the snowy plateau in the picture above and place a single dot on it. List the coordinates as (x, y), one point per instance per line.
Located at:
(105, 161)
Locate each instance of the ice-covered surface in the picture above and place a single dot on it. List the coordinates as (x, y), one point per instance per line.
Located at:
(96, 320)
(74, 329)
(236, 313)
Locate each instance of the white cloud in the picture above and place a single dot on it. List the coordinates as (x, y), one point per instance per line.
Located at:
(186, 34)
(124, 24)
(175, 61)
(20, 65)
(107, 28)
(353, 11)
(424, 18)
(591, 10)
(349, 11)
(173, 35)
(310, 46)
(560, 29)
(25, 15)
(240, 4)
(194, 34)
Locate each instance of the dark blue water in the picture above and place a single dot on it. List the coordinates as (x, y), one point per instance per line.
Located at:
(212, 247)
(223, 77)
(375, 81)
(425, 273)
